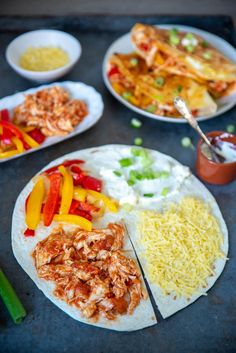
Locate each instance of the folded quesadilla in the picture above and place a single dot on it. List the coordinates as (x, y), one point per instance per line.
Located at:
(185, 54)
(154, 89)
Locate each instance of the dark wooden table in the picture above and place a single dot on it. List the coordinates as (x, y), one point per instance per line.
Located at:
(209, 325)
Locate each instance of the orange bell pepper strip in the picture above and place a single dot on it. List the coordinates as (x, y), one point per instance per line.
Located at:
(34, 204)
(67, 190)
(52, 199)
(74, 219)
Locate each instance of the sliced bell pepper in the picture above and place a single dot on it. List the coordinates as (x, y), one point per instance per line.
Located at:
(37, 135)
(75, 210)
(109, 203)
(51, 203)
(67, 190)
(113, 71)
(74, 219)
(19, 144)
(8, 154)
(6, 135)
(79, 194)
(11, 127)
(4, 114)
(29, 140)
(66, 164)
(34, 204)
(92, 183)
(29, 232)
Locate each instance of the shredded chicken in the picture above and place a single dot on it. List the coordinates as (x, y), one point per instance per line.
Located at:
(51, 110)
(91, 271)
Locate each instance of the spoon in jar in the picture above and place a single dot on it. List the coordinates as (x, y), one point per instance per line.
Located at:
(183, 109)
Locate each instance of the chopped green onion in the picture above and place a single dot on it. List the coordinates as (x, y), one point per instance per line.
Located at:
(178, 89)
(173, 37)
(160, 81)
(207, 55)
(230, 128)
(134, 62)
(189, 36)
(126, 95)
(138, 141)
(148, 195)
(117, 173)
(11, 300)
(151, 108)
(136, 123)
(125, 162)
(136, 151)
(165, 191)
(186, 142)
(159, 98)
(204, 44)
(130, 182)
(190, 48)
(164, 174)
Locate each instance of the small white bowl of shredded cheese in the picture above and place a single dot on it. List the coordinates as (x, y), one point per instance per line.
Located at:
(43, 55)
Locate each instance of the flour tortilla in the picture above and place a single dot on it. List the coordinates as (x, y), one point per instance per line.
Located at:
(144, 315)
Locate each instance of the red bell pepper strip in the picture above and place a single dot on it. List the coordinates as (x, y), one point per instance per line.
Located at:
(76, 210)
(12, 128)
(52, 199)
(37, 135)
(4, 114)
(89, 182)
(113, 71)
(66, 164)
(77, 174)
(6, 136)
(29, 232)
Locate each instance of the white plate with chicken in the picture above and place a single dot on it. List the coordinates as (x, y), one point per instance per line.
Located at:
(40, 117)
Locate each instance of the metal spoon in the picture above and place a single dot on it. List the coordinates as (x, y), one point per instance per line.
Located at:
(182, 107)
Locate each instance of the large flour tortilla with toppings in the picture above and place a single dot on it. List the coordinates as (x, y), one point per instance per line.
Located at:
(101, 162)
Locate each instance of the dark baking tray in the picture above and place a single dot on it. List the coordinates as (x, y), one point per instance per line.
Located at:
(209, 325)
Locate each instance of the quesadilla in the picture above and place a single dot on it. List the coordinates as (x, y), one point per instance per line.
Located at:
(154, 89)
(185, 54)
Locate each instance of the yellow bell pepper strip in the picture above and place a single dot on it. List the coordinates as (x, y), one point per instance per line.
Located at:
(19, 144)
(79, 194)
(67, 190)
(29, 140)
(9, 154)
(27, 128)
(73, 219)
(110, 204)
(34, 204)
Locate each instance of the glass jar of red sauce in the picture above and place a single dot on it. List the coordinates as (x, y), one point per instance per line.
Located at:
(210, 171)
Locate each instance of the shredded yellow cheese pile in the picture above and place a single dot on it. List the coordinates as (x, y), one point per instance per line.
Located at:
(43, 58)
(180, 246)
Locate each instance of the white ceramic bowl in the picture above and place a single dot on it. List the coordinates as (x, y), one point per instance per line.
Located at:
(43, 37)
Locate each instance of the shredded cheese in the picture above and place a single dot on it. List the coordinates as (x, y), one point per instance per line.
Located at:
(180, 246)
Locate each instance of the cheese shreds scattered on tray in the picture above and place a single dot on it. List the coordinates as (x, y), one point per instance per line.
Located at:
(180, 246)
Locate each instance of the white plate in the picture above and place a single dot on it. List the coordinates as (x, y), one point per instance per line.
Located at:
(124, 45)
(77, 90)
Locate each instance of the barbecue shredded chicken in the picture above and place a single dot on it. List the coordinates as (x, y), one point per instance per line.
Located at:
(51, 110)
(91, 271)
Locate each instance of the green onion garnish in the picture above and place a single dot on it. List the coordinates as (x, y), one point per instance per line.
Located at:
(130, 182)
(135, 123)
(117, 173)
(148, 195)
(178, 89)
(186, 142)
(138, 141)
(230, 128)
(126, 95)
(136, 151)
(11, 300)
(207, 55)
(134, 62)
(151, 108)
(189, 36)
(164, 174)
(125, 162)
(190, 48)
(173, 37)
(165, 191)
(160, 81)
(159, 98)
